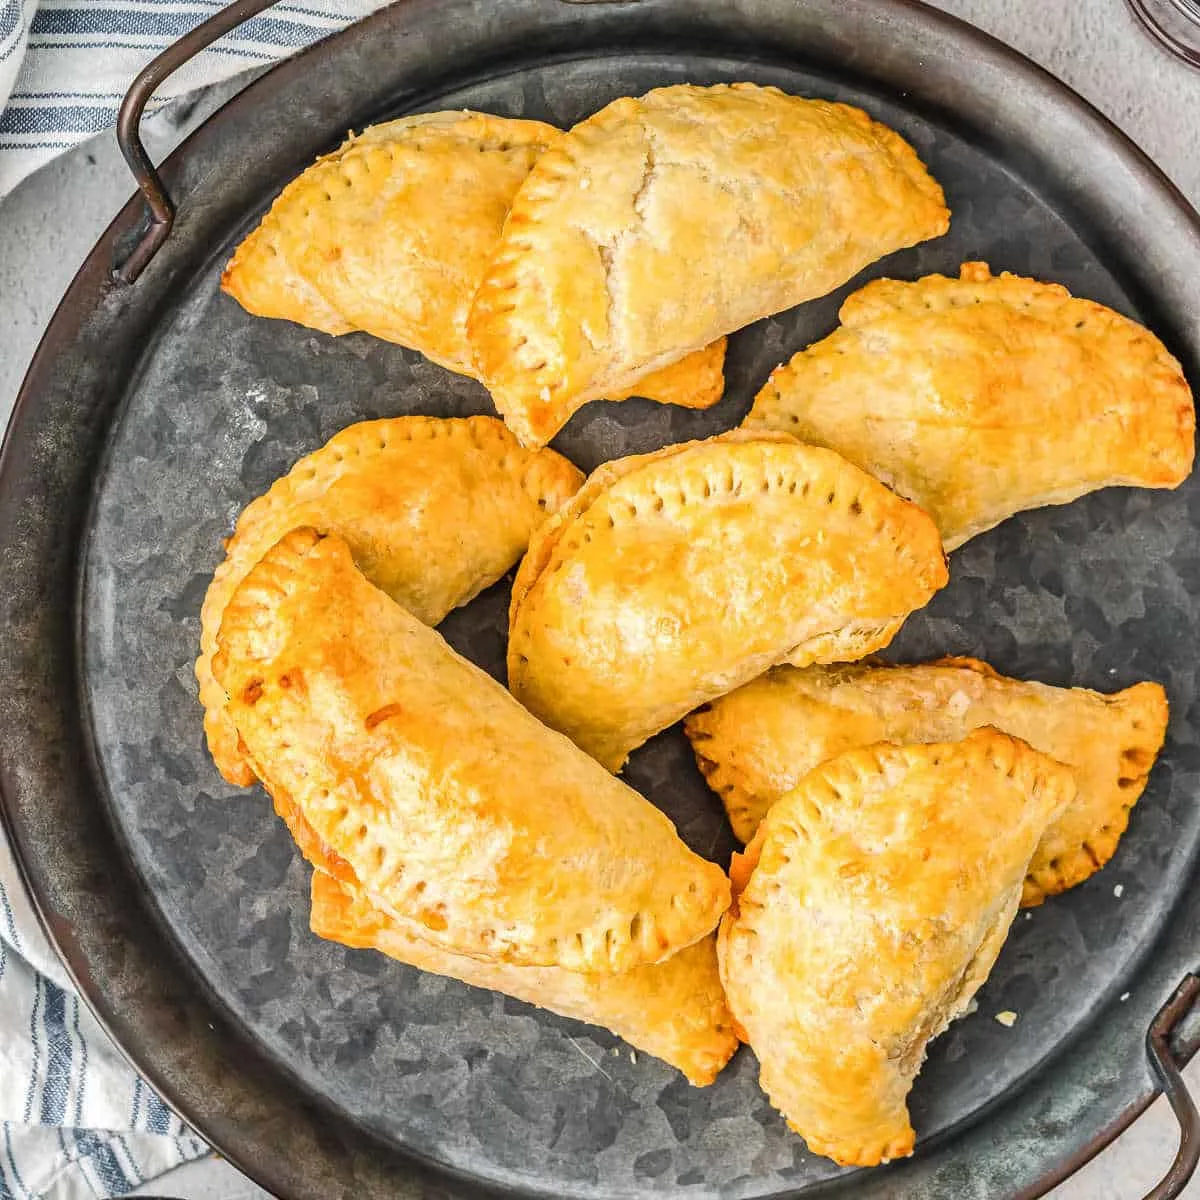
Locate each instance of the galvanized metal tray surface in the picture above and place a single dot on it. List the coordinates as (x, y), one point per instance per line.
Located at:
(155, 411)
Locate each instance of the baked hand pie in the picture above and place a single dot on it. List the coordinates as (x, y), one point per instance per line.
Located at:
(391, 234)
(757, 743)
(871, 906)
(674, 1010)
(434, 511)
(453, 809)
(673, 577)
(981, 396)
(661, 223)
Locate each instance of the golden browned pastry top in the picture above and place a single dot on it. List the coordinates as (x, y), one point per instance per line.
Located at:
(673, 577)
(981, 396)
(757, 743)
(674, 1010)
(434, 511)
(879, 893)
(661, 223)
(454, 809)
(392, 232)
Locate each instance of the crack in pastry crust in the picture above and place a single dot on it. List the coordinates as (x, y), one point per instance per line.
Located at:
(392, 232)
(674, 1010)
(416, 769)
(663, 222)
(672, 577)
(758, 742)
(981, 396)
(874, 900)
(434, 510)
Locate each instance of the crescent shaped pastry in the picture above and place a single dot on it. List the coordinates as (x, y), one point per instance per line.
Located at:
(757, 743)
(453, 808)
(673, 577)
(391, 234)
(981, 396)
(434, 511)
(661, 223)
(674, 1010)
(873, 902)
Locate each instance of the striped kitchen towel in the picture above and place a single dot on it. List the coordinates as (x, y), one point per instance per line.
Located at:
(76, 1121)
(65, 64)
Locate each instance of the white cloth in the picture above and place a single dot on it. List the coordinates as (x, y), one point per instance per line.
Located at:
(76, 1122)
(65, 64)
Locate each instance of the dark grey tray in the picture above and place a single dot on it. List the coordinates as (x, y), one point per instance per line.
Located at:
(154, 411)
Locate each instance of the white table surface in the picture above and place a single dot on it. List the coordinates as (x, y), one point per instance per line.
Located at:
(50, 222)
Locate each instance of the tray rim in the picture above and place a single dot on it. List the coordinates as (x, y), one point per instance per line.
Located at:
(93, 274)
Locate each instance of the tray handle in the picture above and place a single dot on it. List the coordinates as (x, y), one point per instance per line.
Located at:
(129, 121)
(1166, 1069)
(129, 133)
(1174, 24)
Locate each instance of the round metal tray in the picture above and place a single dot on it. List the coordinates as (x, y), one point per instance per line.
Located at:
(155, 409)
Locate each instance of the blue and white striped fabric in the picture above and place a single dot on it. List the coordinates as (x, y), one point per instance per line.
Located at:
(76, 1122)
(64, 64)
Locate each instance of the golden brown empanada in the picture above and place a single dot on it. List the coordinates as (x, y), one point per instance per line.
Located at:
(757, 743)
(451, 805)
(674, 1010)
(673, 577)
(433, 510)
(391, 234)
(873, 902)
(661, 223)
(981, 396)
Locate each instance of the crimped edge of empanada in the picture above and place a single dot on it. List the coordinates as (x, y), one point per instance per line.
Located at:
(498, 334)
(725, 779)
(548, 538)
(546, 477)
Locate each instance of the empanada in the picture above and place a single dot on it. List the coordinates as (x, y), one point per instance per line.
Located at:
(674, 1010)
(873, 902)
(451, 805)
(757, 743)
(981, 396)
(661, 223)
(392, 232)
(673, 577)
(433, 510)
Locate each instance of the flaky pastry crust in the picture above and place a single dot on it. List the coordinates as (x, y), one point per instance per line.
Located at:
(661, 223)
(674, 1010)
(981, 396)
(671, 578)
(434, 511)
(757, 743)
(392, 232)
(452, 806)
(879, 893)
